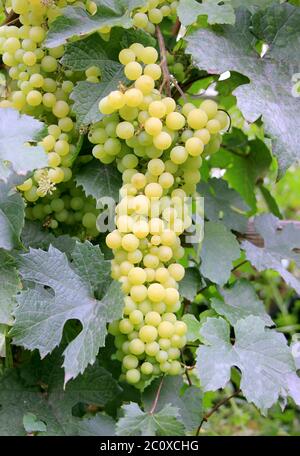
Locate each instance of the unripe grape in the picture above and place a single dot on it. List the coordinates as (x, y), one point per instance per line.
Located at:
(153, 126)
(147, 368)
(210, 107)
(133, 97)
(178, 155)
(197, 118)
(133, 70)
(148, 334)
(136, 317)
(125, 130)
(156, 292)
(126, 56)
(145, 84)
(213, 126)
(153, 70)
(125, 326)
(166, 329)
(152, 348)
(203, 134)
(133, 376)
(223, 118)
(130, 362)
(157, 109)
(169, 104)
(137, 48)
(194, 146)
(175, 121)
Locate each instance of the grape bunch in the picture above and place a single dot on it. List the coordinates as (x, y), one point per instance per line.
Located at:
(68, 207)
(153, 13)
(158, 149)
(38, 86)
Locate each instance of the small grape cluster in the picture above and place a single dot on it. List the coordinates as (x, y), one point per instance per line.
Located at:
(68, 205)
(153, 13)
(38, 86)
(158, 150)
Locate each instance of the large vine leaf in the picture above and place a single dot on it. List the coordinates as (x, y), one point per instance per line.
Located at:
(261, 354)
(136, 422)
(269, 93)
(278, 245)
(76, 21)
(224, 204)
(15, 130)
(219, 249)
(95, 426)
(42, 311)
(12, 215)
(98, 180)
(240, 301)
(217, 11)
(9, 287)
(52, 405)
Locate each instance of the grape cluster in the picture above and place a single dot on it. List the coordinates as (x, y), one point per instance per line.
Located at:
(153, 13)
(38, 86)
(158, 150)
(67, 206)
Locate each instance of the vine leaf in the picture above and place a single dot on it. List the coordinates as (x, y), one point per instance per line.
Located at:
(98, 180)
(245, 162)
(219, 249)
(240, 301)
(9, 287)
(190, 284)
(15, 131)
(12, 215)
(232, 48)
(76, 21)
(187, 399)
(261, 354)
(33, 235)
(45, 311)
(224, 204)
(278, 245)
(193, 327)
(217, 11)
(136, 422)
(21, 396)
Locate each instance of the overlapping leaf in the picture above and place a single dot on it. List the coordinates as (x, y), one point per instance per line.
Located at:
(217, 12)
(278, 245)
(219, 249)
(12, 215)
(45, 311)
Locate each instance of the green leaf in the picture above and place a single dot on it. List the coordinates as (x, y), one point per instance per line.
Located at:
(136, 422)
(262, 355)
(90, 265)
(32, 424)
(42, 311)
(95, 426)
(86, 96)
(224, 204)
(190, 284)
(193, 326)
(244, 162)
(15, 130)
(279, 27)
(12, 214)
(94, 51)
(270, 201)
(98, 180)
(219, 249)
(252, 3)
(240, 301)
(187, 399)
(278, 245)
(9, 287)
(232, 48)
(37, 389)
(76, 21)
(217, 11)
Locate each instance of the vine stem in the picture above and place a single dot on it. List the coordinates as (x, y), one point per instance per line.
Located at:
(216, 407)
(154, 405)
(164, 66)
